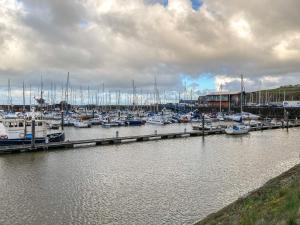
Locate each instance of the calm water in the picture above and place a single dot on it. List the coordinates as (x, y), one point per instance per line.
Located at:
(164, 182)
(73, 133)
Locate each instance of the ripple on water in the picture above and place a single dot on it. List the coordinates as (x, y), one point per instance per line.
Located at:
(165, 182)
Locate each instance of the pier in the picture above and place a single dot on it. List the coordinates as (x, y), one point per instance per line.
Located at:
(131, 139)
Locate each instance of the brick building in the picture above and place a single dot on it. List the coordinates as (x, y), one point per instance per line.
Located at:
(232, 99)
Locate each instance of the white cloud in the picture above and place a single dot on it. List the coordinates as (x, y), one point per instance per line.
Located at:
(115, 41)
(241, 27)
(288, 48)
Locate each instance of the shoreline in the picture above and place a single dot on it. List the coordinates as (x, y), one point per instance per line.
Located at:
(276, 202)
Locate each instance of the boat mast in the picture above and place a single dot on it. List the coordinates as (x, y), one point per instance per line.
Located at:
(42, 85)
(221, 86)
(133, 96)
(23, 97)
(156, 94)
(242, 90)
(81, 95)
(30, 96)
(67, 91)
(9, 98)
(103, 97)
(229, 101)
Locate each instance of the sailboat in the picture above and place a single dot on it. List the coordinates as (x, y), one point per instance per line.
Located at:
(239, 128)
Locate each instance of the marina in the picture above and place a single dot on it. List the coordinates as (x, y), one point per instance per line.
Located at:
(129, 139)
(149, 112)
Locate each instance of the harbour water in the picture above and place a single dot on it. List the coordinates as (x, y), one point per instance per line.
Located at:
(175, 181)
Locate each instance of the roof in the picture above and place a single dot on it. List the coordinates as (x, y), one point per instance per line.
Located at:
(223, 93)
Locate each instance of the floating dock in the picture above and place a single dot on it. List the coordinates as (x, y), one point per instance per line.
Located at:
(128, 139)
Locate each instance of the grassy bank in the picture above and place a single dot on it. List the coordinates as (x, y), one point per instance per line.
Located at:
(277, 202)
(290, 93)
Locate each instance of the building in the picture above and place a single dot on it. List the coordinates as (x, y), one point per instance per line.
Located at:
(188, 102)
(227, 100)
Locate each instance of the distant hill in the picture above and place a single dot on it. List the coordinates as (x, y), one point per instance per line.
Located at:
(287, 92)
(288, 88)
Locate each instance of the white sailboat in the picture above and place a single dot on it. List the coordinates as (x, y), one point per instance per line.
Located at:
(239, 128)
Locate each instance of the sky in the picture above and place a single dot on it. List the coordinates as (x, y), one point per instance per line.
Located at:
(182, 43)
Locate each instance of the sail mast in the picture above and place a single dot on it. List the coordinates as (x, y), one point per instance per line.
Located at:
(23, 97)
(9, 98)
(242, 90)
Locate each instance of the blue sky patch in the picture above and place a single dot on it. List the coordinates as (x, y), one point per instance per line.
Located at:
(165, 2)
(196, 4)
(205, 81)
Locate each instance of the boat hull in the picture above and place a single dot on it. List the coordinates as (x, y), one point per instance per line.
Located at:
(134, 122)
(232, 131)
(55, 137)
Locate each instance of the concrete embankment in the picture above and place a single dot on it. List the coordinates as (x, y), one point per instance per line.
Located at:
(277, 202)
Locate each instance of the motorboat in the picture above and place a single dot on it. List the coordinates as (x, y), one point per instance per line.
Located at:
(274, 122)
(110, 124)
(185, 119)
(19, 131)
(95, 121)
(220, 117)
(255, 123)
(54, 124)
(237, 129)
(242, 116)
(134, 122)
(159, 120)
(208, 125)
(82, 124)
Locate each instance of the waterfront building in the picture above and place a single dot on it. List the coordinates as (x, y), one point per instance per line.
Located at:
(226, 99)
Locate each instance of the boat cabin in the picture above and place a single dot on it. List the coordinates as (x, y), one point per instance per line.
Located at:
(20, 128)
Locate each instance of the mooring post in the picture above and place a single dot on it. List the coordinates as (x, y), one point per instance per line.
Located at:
(46, 142)
(62, 119)
(184, 130)
(33, 133)
(203, 124)
(155, 132)
(25, 129)
(287, 120)
(117, 134)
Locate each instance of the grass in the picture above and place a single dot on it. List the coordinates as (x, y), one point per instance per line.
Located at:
(277, 202)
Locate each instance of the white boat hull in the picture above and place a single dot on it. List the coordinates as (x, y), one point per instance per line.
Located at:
(237, 130)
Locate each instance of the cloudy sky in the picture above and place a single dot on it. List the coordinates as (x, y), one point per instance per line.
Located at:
(198, 43)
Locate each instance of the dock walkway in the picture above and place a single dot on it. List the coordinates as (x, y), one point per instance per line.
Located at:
(127, 139)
